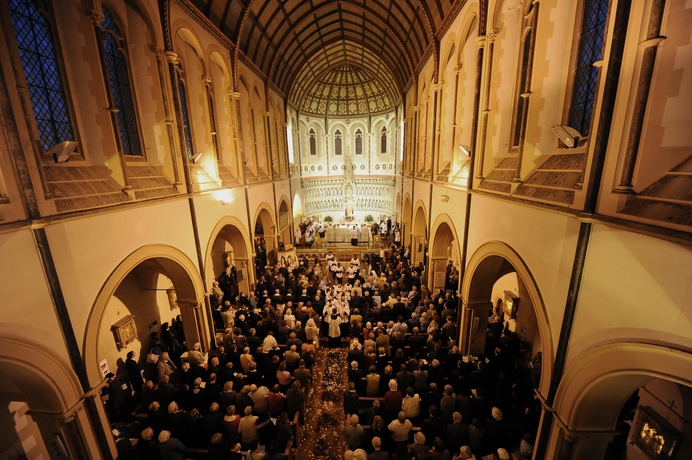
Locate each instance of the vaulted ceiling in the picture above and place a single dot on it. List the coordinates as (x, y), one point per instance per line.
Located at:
(294, 41)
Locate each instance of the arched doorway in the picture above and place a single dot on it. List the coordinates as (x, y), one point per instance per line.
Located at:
(228, 252)
(397, 208)
(264, 233)
(41, 409)
(420, 236)
(297, 209)
(445, 249)
(481, 286)
(406, 221)
(152, 286)
(600, 380)
(285, 233)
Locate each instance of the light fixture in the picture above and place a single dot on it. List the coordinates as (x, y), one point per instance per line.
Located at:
(62, 151)
(568, 135)
(225, 196)
(444, 198)
(197, 157)
(466, 150)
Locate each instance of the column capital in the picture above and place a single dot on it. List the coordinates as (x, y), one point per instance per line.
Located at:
(96, 16)
(171, 57)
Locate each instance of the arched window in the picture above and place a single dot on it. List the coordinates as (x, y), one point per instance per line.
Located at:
(359, 142)
(114, 47)
(42, 72)
(383, 140)
(591, 44)
(212, 119)
(337, 142)
(313, 143)
(182, 92)
(523, 88)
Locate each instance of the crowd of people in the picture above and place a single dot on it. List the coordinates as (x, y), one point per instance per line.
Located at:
(241, 397)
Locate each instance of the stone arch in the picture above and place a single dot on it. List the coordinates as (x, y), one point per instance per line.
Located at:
(490, 262)
(397, 207)
(189, 37)
(33, 374)
(265, 217)
(443, 236)
(406, 221)
(284, 227)
(420, 234)
(596, 385)
(188, 287)
(230, 238)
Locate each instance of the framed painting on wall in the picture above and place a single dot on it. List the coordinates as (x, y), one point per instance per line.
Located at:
(124, 332)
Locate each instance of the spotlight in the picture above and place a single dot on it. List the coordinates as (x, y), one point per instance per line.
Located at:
(61, 152)
(568, 135)
(465, 150)
(197, 157)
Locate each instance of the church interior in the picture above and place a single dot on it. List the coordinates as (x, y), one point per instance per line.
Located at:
(543, 148)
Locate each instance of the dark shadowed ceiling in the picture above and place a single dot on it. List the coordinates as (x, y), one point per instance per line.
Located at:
(293, 42)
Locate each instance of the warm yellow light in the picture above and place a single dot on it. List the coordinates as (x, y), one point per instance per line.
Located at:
(225, 196)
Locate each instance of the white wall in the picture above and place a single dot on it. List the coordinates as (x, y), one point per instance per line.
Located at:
(87, 250)
(634, 287)
(545, 241)
(27, 306)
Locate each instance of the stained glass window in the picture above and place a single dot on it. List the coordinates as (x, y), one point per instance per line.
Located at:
(182, 91)
(212, 119)
(119, 81)
(42, 72)
(591, 44)
(520, 116)
(313, 143)
(383, 140)
(359, 142)
(337, 142)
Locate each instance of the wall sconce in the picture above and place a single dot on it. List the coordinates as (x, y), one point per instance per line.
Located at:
(227, 201)
(62, 151)
(465, 150)
(196, 158)
(568, 135)
(444, 198)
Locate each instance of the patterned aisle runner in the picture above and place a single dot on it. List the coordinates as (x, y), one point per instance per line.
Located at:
(322, 437)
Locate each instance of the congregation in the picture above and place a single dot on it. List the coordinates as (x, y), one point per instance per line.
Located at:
(411, 391)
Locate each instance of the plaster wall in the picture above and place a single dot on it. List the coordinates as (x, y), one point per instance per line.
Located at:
(634, 287)
(545, 241)
(148, 306)
(110, 238)
(24, 290)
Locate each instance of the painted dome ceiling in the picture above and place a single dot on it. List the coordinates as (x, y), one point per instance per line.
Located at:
(346, 91)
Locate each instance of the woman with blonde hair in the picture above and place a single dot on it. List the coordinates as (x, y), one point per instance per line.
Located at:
(312, 332)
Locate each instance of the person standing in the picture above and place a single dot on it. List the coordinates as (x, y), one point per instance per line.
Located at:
(135, 373)
(355, 233)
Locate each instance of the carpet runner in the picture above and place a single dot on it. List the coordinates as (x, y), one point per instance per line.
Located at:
(322, 437)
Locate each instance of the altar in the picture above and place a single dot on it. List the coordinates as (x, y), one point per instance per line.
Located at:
(341, 233)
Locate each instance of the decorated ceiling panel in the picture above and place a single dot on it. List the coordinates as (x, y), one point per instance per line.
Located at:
(347, 91)
(283, 38)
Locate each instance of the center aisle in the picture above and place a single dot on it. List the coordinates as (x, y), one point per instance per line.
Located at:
(322, 437)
